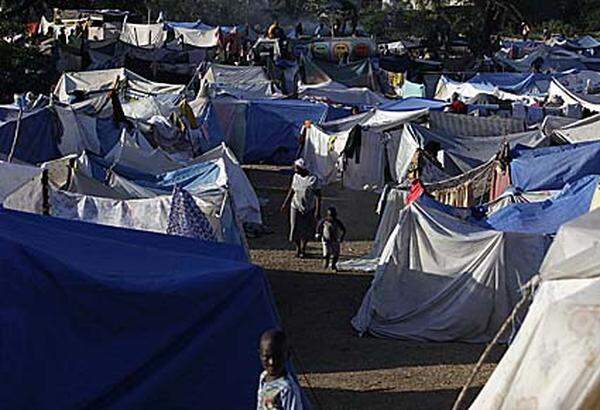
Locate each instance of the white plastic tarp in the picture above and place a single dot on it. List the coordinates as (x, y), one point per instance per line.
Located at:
(554, 362)
(198, 38)
(104, 80)
(584, 130)
(144, 35)
(14, 176)
(442, 279)
(337, 93)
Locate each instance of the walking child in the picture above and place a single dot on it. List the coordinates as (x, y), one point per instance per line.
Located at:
(331, 231)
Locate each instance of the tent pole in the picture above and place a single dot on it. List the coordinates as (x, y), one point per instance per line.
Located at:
(45, 194)
(16, 137)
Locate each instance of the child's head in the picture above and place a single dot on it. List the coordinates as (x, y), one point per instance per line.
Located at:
(332, 212)
(273, 352)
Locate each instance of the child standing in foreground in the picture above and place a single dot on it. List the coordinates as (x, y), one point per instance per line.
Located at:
(332, 232)
(276, 390)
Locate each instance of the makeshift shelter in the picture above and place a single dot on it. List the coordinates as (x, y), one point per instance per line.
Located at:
(446, 88)
(144, 35)
(458, 154)
(355, 74)
(100, 81)
(265, 131)
(554, 361)
(585, 130)
(553, 167)
(546, 217)
(413, 104)
(14, 176)
(457, 124)
(443, 279)
(240, 82)
(336, 93)
(515, 83)
(366, 166)
(33, 137)
(571, 96)
(115, 317)
(547, 58)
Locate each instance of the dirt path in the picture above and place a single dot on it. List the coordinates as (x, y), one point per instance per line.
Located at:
(338, 369)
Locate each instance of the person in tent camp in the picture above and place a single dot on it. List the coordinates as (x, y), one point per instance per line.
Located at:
(457, 106)
(320, 30)
(331, 231)
(273, 31)
(276, 389)
(525, 31)
(304, 201)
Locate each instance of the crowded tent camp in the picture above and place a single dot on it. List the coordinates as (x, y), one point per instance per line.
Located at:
(300, 205)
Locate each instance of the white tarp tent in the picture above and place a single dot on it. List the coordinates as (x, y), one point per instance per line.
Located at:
(379, 146)
(239, 82)
(92, 82)
(14, 176)
(554, 362)
(572, 97)
(587, 129)
(144, 35)
(337, 93)
(443, 279)
(197, 37)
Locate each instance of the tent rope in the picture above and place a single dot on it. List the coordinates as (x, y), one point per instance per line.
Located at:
(528, 290)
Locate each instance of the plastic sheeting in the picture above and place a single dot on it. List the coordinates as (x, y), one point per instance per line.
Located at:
(356, 74)
(93, 82)
(126, 318)
(442, 279)
(548, 216)
(414, 103)
(379, 147)
(14, 176)
(585, 130)
(38, 138)
(337, 93)
(143, 35)
(198, 38)
(589, 101)
(239, 82)
(516, 83)
(554, 361)
(553, 167)
(460, 153)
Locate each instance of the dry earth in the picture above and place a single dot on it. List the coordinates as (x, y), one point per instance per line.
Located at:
(338, 369)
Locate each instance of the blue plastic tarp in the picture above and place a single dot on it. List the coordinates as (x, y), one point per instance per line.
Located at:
(518, 83)
(94, 319)
(553, 167)
(192, 178)
(273, 126)
(414, 104)
(39, 136)
(548, 216)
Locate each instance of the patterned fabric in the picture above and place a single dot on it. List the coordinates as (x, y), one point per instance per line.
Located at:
(186, 218)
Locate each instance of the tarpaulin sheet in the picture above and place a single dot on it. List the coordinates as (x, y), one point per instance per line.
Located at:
(357, 74)
(586, 130)
(337, 93)
(553, 167)
(125, 319)
(14, 176)
(144, 35)
(273, 127)
(548, 216)
(518, 83)
(442, 279)
(553, 361)
(197, 37)
(414, 103)
(39, 136)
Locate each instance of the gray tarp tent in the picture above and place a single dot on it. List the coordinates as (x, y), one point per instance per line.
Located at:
(442, 279)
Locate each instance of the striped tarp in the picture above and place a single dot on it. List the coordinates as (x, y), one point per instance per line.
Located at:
(465, 125)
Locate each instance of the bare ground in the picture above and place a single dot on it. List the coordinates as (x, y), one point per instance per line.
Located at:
(338, 369)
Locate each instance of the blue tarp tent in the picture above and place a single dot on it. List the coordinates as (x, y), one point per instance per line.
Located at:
(414, 104)
(548, 216)
(517, 83)
(39, 136)
(95, 317)
(273, 126)
(553, 167)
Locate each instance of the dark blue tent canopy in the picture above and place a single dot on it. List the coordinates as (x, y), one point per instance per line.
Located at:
(98, 317)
